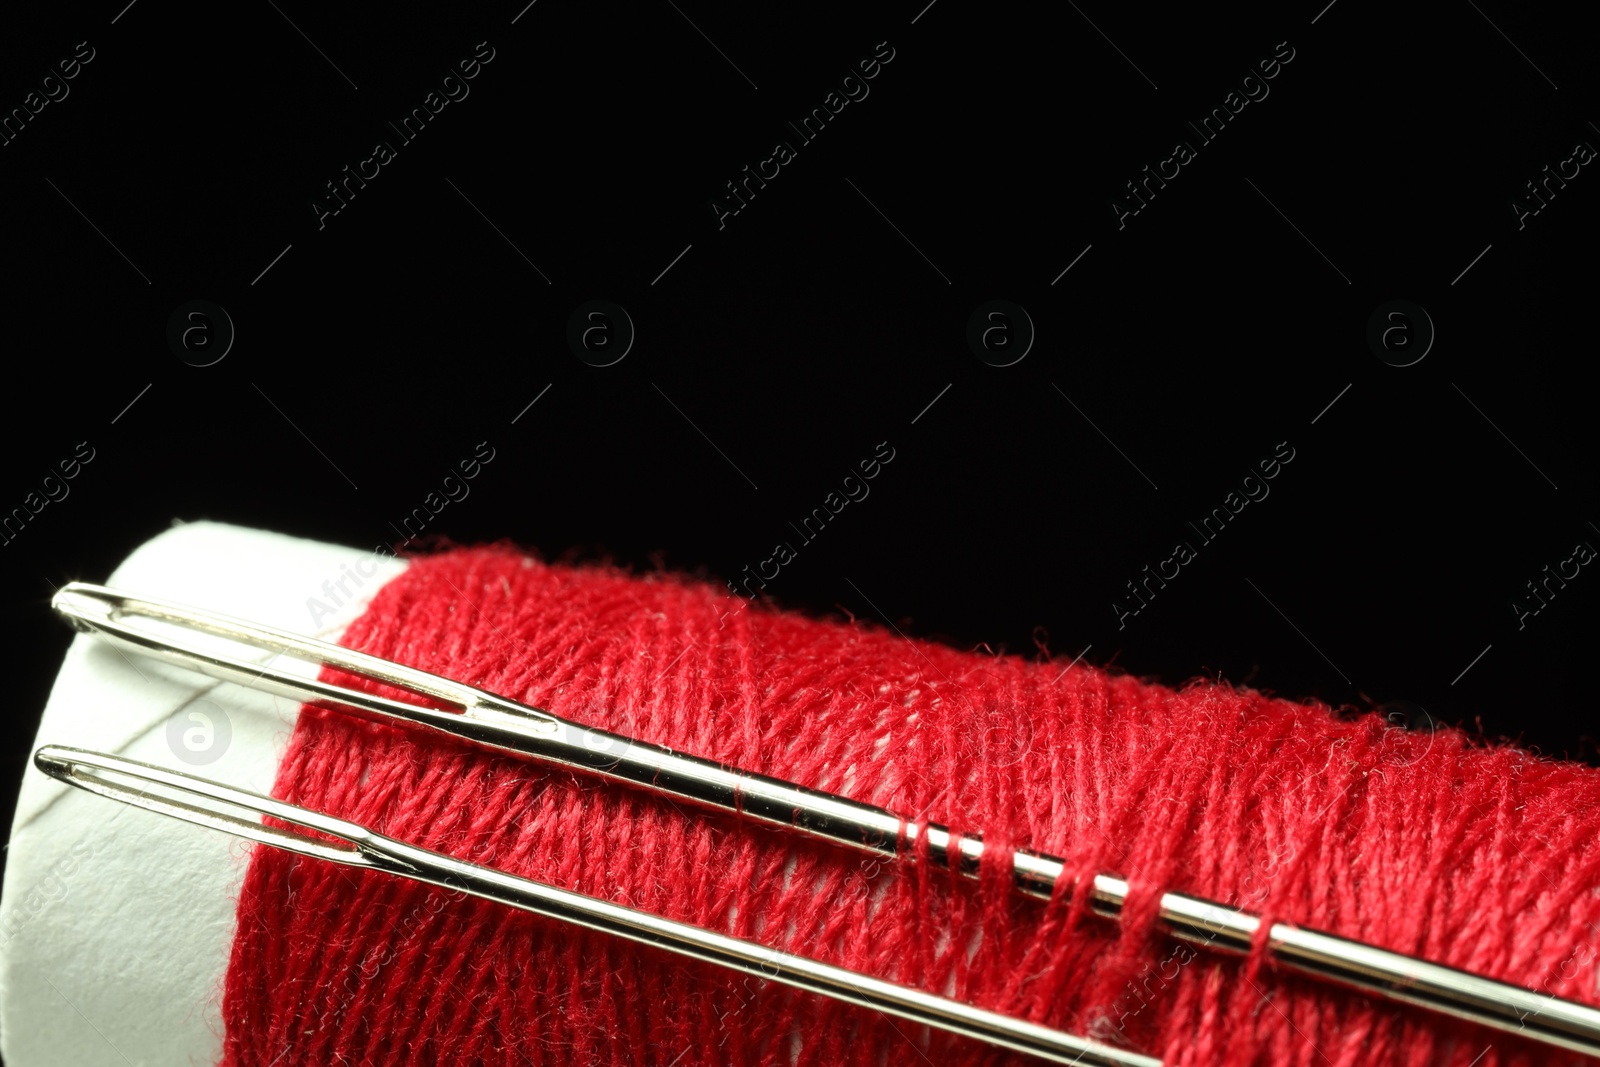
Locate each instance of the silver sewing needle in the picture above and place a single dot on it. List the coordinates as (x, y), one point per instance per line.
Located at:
(503, 725)
(239, 812)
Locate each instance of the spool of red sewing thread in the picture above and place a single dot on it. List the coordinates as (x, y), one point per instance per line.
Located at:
(1480, 858)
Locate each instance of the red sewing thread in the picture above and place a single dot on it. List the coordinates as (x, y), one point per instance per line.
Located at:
(1483, 858)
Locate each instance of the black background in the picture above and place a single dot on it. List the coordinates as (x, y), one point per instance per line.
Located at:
(826, 316)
